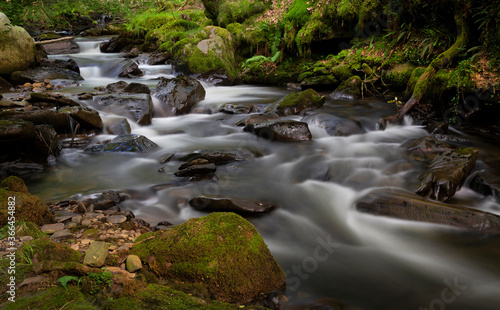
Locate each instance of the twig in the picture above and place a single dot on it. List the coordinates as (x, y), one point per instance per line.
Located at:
(54, 40)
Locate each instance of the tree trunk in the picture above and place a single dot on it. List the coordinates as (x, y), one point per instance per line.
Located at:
(443, 59)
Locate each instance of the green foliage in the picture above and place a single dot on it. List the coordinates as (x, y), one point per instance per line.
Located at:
(66, 279)
(22, 228)
(96, 282)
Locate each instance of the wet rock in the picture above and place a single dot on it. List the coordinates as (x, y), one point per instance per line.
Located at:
(447, 173)
(44, 73)
(349, 89)
(130, 69)
(19, 169)
(334, 125)
(57, 100)
(236, 205)
(60, 121)
(117, 126)
(138, 107)
(218, 248)
(216, 78)
(281, 130)
(296, 103)
(232, 108)
(61, 47)
(426, 148)
(258, 118)
(134, 53)
(119, 44)
(133, 263)
(116, 87)
(158, 58)
(402, 204)
(15, 130)
(52, 228)
(137, 88)
(486, 184)
(89, 119)
(69, 64)
(96, 254)
(46, 143)
(178, 95)
(17, 48)
(196, 170)
(126, 143)
(219, 157)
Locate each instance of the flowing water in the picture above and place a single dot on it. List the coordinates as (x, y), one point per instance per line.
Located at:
(327, 249)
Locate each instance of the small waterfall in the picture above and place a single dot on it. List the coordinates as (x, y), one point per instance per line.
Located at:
(90, 47)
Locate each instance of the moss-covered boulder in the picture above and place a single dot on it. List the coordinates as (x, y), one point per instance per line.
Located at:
(398, 76)
(221, 251)
(296, 103)
(44, 249)
(27, 207)
(55, 297)
(225, 12)
(17, 48)
(349, 89)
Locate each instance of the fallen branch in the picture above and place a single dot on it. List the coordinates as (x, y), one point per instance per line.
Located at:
(54, 40)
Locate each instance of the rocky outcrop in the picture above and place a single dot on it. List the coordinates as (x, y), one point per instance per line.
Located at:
(17, 48)
(178, 95)
(221, 252)
(447, 173)
(402, 204)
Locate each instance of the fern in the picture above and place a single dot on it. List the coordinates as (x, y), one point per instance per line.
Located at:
(66, 279)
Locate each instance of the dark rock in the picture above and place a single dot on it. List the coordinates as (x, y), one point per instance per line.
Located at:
(4, 86)
(18, 169)
(60, 121)
(402, 204)
(386, 121)
(334, 125)
(232, 108)
(258, 118)
(349, 89)
(321, 82)
(43, 73)
(216, 78)
(15, 130)
(69, 64)
(125, 143)
(119, 44)
(57, 100)
(134, 53)
(486, 184)
(281, 130)
(61, 47)
(130, 69)
(236, 205)
(137, 88)
(138, 107)
(448, 172)
(46, 143)
(296, 103)
(426, 148)
(88, 119)
(196, 170)
(116, 87)
(179, 95)
(221, 158)
(108, 195)
(117, 126)
(158, 58)
(104, 204)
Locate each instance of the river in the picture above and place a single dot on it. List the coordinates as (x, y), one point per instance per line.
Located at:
(327, 249)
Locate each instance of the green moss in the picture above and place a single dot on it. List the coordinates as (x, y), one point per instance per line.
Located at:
(44, 249)
(55, 298)
(215, 251)
(341, 72)
(399, 76)
(350, 87)
(91, 233)
(23, 228)
(295, 103)
(321, 80)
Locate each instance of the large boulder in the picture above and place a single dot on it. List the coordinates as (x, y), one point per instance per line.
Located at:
(178, 95)
(138, 107)
(221, 251)
(13, 192)
(349, 89)
(402, 204)
(44, 73)
(213, 53)
(125, 143)
(297, 103)
(17, 48)
(61, 47)
(226, 12)
(447, 173)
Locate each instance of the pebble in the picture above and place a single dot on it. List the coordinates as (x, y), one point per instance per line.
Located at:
(86, 222)
(62, 234)
(77, 219)
(117, 219)
(52, 228)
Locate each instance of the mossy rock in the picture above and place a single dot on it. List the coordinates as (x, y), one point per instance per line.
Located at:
(399, 76)
(320, 82)
(221, 251)
(27, 207)
(349, 89)
(225, 12)
(17, 48)
(341, 72)
(415, 75)
(296, 103)
(44, 249)
(55, 298)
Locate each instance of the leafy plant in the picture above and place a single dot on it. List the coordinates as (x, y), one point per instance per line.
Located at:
(98, 281)
(66, 279)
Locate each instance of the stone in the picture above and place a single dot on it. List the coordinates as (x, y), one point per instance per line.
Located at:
(231, 108)
(448, 171)
(117, 219)
(286, 131)
(158, 58)
(42, 73)
(178, 96)
(348, 89)
(297, 103)
(195, 170)
(33, 280)
(57, 100)
(62, 47)
(62, 235)
(133, 263)
(405, 205)
(117, 126)
(17, 48)
(125, 143)
(52, 228)
(334, 126)
(138, 107)
(120, 272)
(425, 149)
(12, 130)
(76, 219)
(225, 204)
(211, 250)
(96, 254)
(130, 68)
(137, 88)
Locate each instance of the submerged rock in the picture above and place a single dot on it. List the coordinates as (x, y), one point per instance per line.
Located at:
(296, 103)
(426, 148)
(178, 95)
(236, 205)
(402, 204)
(448, 172)
(138, 107)
(221, 252)
(125, 143)
(334, 125)
(281, 130)
(117, 126)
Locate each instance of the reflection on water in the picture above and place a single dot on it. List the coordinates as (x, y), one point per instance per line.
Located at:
(369, 262)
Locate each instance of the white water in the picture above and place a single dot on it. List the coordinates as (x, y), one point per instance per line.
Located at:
(376, 263)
